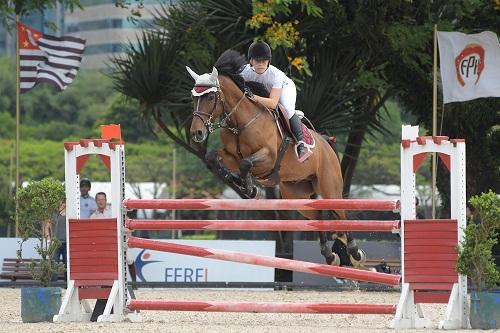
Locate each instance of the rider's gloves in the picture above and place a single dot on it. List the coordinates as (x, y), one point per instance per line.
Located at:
(249, 93)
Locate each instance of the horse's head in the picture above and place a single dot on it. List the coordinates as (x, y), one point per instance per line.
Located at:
(207, 102)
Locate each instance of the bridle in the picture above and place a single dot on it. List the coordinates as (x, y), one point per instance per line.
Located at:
(225, 118)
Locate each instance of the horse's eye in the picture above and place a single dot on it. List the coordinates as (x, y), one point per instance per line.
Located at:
(211, 97)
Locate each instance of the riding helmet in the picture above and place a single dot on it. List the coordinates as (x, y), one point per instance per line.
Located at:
(259, 51)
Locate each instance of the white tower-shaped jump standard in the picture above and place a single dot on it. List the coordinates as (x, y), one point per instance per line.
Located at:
(428, 247)
(95, 247)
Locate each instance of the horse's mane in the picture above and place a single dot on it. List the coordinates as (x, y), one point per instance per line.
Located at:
(231, 64)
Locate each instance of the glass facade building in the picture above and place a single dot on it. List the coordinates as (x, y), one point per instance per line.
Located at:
(106, 29)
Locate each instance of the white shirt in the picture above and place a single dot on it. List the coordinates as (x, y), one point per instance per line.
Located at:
(274, 78)
(105, 214)
(271, 78)
(87, 206)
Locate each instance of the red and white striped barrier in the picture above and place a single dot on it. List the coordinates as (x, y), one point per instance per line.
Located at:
(265, 225)
(261, 307)
(252, 259)
(267, 204)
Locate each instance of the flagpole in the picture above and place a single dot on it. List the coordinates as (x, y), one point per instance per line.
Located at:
(434, 122)
(18, 116)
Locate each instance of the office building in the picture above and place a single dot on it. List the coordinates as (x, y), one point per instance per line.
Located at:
(107, 29)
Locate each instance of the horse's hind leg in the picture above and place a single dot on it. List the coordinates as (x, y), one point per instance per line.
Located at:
(304, 190)
(344, 246)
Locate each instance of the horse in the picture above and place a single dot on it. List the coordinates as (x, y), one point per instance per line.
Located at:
(254, 150)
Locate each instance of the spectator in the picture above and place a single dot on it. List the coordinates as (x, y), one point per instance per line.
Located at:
(102, 210)
(471, 215)
(419, 214)
(131, 262)
(59, 224)
(87, 203)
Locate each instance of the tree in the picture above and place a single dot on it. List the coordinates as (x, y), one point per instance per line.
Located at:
(475, 121)
(10, 8)
(361, 55)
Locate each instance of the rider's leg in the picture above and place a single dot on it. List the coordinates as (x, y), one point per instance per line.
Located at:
(287, 99)
(296, 127)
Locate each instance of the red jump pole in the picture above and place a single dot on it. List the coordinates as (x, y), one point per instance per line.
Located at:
(261, 307)
(252, 259)
(270, 225)
(265, 204)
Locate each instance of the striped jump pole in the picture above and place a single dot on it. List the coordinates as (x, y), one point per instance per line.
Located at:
(261, 307)
(265, 225)
(252, 259)
(267, 204)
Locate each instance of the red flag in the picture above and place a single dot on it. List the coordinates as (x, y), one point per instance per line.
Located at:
(111, 131)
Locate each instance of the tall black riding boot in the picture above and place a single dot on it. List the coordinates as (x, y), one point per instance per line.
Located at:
(296, 127)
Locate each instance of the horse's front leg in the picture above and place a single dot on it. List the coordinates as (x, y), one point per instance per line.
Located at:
(257, 159)
(223, 164)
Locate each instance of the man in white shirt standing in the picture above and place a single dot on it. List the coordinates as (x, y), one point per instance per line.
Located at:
(102, 212)
(87, 203)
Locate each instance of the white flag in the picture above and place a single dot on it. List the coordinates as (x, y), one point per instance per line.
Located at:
(470, 65)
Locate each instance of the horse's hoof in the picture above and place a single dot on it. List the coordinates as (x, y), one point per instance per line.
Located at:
(252, 192)
(335, 260)
(359, 258)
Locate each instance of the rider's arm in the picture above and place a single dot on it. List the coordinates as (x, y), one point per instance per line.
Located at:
(273, 99)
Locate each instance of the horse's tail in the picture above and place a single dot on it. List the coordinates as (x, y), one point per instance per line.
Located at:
(332, 141)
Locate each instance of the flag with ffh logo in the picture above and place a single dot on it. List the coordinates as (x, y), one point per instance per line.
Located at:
(470, 65)
(45, 58)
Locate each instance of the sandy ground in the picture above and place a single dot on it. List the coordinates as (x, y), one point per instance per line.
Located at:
(156, 321)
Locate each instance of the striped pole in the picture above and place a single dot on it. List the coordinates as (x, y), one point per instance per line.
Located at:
(263, 225)
(261, 307)
(267, 204)
(252, 259)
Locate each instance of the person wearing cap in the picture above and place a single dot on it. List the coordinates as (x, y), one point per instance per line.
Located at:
(282, 89)
(87, 203)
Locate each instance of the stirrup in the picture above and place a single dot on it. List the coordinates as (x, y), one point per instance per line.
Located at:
(307, 152)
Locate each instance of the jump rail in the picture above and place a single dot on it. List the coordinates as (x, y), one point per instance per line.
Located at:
(248, 258)
(261, 307)
(267, 204)
(265, 225)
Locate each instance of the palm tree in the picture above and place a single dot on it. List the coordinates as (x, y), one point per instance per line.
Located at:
(333, 99)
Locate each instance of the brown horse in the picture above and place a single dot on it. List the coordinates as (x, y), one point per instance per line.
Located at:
(251, 143)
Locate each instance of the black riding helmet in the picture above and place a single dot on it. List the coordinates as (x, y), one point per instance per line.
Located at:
(259, 51)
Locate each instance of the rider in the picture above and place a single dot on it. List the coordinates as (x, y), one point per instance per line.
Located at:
(282, 89)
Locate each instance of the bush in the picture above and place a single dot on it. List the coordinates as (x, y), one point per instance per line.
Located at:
(37, 203)
(475, 258)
